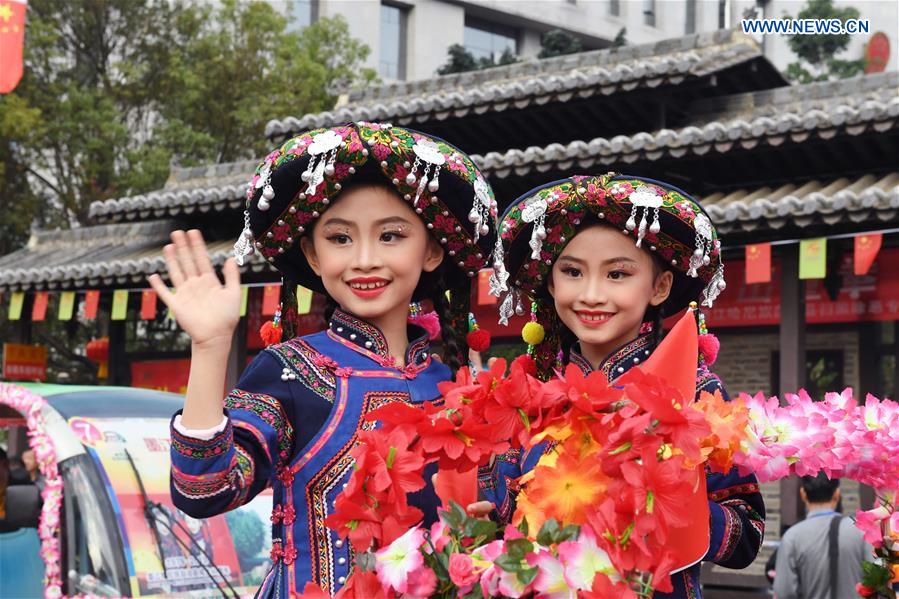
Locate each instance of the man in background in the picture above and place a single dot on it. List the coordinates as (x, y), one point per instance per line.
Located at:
(820, 557)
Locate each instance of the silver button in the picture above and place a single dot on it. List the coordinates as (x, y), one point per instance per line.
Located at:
(339, 329)
(338, 543)
(341, 580)
(621, 369)
(353, 336)
(341, 561)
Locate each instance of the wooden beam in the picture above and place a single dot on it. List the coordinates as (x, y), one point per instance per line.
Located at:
(792, 360)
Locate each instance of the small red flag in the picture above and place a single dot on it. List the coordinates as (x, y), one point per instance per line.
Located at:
(758, 263)
(12, 41)
(91, 303)
(484, 297)
(148, 305)
(866, 250)
(39, 308)
(271, 298)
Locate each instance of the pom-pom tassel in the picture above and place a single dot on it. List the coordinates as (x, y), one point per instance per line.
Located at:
(478, 339)
(533, 333)
(271, 331)
(708, 348)
(429, 321)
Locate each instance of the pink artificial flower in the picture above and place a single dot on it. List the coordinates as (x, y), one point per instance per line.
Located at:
(871, 523)
(461, 570)
(584, 559)
(550, 581)
(421, 584)
(396, 562)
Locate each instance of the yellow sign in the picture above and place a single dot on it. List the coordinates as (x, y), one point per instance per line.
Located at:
(66, 305)
(24, 362)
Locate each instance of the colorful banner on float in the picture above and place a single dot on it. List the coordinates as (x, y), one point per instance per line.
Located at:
(238, 543)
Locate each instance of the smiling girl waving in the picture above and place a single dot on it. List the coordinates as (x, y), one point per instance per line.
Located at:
(376, 217)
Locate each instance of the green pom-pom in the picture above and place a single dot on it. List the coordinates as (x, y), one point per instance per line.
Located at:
(533, 333)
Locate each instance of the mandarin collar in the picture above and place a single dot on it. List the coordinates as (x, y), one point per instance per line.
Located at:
(619, 361)
(369, 340)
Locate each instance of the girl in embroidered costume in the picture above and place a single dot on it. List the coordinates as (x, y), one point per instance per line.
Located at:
(601, 260)
(375, 216)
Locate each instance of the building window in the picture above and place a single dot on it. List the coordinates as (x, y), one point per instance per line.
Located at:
(614, 7)
(649, 12)
(691, 17)
(489, 40)
(303, 13)
(723, 14)
(392, 63)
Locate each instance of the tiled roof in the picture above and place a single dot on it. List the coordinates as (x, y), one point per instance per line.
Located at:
(215, 187)
(742, 121)
(597, 72)
(98, 256)
(124, 254)
(864, 198)
(821, 109)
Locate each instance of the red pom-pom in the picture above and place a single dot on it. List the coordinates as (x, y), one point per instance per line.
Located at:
(270, 333)
(478, 340)
(527, 363)
(708, 348)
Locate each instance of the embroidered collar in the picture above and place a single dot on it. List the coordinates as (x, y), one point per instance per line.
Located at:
(619, 361)
(368, 339)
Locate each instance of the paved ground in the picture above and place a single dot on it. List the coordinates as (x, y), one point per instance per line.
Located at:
(725, 593)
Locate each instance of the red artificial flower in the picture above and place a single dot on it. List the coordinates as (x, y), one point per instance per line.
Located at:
(311, 591)
(397, 522)
(403, 416)
(659, 487)
(458, 443)
(362, 585)
(604, 588)
(359, 522)
(388, 461)
(864, 591)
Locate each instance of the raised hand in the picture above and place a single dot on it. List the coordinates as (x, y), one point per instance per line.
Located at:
(206, 309)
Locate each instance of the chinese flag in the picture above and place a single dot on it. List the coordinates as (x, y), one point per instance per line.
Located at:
(12, 40)
(41, 298)
(271, 298)
(758, 263)
(148, 304)
(484, 297)
(866, 249)
(91, 303)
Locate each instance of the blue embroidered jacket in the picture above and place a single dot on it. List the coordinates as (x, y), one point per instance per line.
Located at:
(735, 502)
(292, 420)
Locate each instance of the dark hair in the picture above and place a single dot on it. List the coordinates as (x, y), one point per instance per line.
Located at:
(819, 489)
(654, 314)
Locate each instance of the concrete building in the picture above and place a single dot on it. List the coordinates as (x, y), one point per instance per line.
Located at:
(409, 39)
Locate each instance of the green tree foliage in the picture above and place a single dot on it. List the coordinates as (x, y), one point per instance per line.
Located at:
(620, 38)
(115, 91)
(817, 53)
(557, 43)
(248, 532)
(460, 60)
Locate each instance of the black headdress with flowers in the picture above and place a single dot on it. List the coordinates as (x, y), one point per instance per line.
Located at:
(295, 183)
(660, 217)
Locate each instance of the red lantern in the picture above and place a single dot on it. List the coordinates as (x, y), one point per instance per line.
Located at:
(97, 350)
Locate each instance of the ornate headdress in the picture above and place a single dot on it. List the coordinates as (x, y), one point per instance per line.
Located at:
(295, 183)
(660, 217)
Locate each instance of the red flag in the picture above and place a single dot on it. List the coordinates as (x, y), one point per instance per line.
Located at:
(271, 298)
(91, 303)
(148, 305)
(758, 263)
(484, 297)
(12, 41)
(41, 298)
(866, 250)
